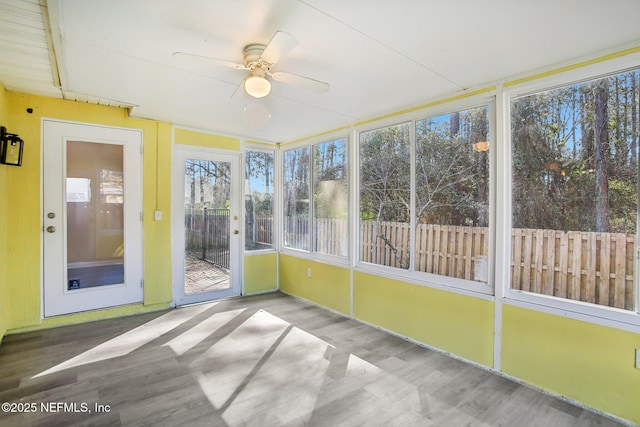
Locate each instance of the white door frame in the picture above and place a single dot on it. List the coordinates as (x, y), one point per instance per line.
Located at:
(180, 154)
(56, 298)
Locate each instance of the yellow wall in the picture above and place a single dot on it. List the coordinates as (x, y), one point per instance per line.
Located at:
(198, 139)
(22, 250)
(589, 363)
(459, 324)
(328, 285)
(4, 235)
(585, 362)
(260, 273)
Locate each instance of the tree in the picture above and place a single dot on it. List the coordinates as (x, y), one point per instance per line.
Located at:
(601, 140)
(385, 174)
(258, 203)
(575, 156)
(210, 183)
(451, 172)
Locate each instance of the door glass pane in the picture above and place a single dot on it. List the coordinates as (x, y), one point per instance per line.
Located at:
(95, 202)
(206, 226)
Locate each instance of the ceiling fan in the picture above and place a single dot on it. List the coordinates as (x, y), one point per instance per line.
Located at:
(258, 60)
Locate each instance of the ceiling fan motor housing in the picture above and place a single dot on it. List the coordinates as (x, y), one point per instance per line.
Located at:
(252, 54)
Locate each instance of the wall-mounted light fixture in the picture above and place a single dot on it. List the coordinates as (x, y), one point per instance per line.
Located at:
(11, 146)
(481, 146)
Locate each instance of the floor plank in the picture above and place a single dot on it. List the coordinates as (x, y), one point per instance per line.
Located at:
(268, 360)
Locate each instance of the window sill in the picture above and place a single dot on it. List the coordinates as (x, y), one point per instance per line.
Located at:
(448, 284)
(576, 310)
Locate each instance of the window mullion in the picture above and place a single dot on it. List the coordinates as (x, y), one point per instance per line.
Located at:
(312, 202)
(412, 197)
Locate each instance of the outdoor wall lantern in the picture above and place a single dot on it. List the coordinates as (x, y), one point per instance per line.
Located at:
(11, 146)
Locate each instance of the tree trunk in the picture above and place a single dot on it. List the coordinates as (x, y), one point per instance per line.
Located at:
(601, 139)
(586, 126)
(634, 123)
(455, 124)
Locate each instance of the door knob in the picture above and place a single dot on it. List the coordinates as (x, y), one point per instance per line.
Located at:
(51, 229)
(236, 231)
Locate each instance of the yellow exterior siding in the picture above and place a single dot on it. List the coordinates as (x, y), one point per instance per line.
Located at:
(22, 250)
(5, 315)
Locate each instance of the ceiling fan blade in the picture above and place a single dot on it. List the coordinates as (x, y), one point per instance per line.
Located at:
(237, 93)
(279, 45)
(216, 61)
(304, 82)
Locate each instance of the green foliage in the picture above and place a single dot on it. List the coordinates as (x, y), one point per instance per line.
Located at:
(623, 199)
(451, 174)
(385, 174)
(553, 156)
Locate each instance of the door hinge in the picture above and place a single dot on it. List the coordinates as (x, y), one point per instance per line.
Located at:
(142, 283)
(141, 216)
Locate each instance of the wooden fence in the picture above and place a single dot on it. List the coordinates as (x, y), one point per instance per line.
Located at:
(331, 235)
(598, 268)
(296, 232)
(593, 267)
(452, 251)
(259, 233)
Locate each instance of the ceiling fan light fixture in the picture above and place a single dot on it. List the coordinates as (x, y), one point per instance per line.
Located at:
(257, 86)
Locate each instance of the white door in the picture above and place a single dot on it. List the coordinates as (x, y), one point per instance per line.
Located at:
(92, 217)
(206, 225)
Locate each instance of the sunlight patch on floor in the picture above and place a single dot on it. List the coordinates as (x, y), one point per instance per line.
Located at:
(286, 387)
(131, 340)
(228, 363)
(392, 399)
(194, 336)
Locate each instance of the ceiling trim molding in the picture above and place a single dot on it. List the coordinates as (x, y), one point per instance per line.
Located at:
(50, 20)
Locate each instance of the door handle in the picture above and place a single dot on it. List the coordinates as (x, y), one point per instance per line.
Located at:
(236, 231)
(51, 229)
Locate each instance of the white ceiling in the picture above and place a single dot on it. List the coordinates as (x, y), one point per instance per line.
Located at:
(378, 56)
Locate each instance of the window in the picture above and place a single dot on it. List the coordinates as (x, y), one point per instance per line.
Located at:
(296, 198)
(330, 197)
(452, 194)
(424, 197)
(322, 167)
(575, 191)
(111, 186)
(385, 196)
(258, 200)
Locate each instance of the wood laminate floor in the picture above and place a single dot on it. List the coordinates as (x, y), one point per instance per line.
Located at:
(269, 360)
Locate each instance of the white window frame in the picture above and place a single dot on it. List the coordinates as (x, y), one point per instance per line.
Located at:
(463, 286)
(311, 254)
(599, 314)
(286, 248)
(312, 214)
(275, 226)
